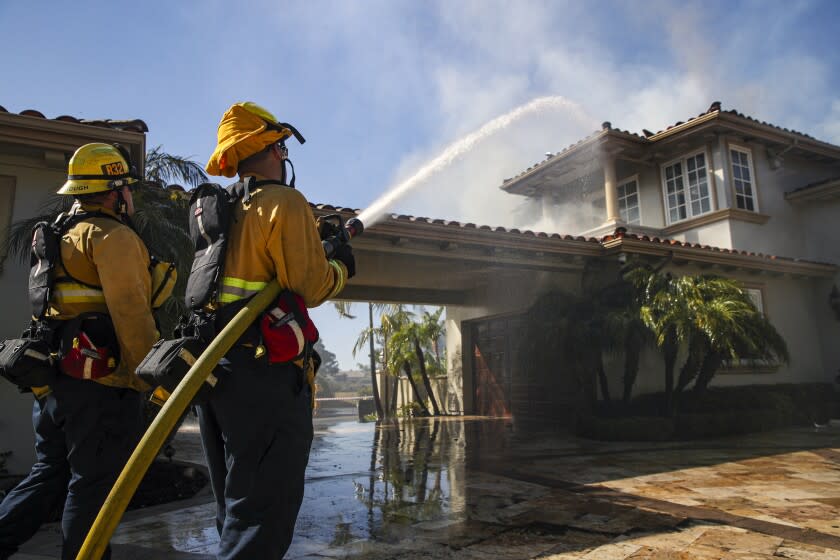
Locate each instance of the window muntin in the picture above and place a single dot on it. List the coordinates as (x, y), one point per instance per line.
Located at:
(628, 202)
(687, 192)
(742, 179)
(675, 193)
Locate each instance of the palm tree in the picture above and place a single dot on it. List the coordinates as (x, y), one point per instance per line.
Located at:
(402, 350)
(665, 313)
(367, 337)
(164, 168)
(710, 316)
(426, 333)
(736, 330)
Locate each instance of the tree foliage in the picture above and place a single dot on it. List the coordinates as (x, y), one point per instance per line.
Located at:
(710, 319)
(329, 363)
(165, 168)
(408, 345)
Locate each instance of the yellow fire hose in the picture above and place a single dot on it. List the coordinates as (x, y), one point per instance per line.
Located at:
(116, 502)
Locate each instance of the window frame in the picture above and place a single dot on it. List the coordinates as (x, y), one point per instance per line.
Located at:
(746, 366)
(684, 175)
(621, 183)
(734, 147)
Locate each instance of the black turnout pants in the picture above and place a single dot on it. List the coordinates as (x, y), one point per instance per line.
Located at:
(84, 434)
(256, 429)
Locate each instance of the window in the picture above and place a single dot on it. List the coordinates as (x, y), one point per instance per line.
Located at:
(742, 179)
(755, 296)
(687, 193)
(751, 365)
(628, 202)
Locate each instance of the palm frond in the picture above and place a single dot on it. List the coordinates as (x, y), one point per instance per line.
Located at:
(166, 168)
(19, 242)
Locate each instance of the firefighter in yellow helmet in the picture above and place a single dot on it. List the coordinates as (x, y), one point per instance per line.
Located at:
(256, 426)
(88, 420)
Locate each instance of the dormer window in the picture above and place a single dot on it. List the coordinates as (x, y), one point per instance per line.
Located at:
(686, 188)
(742, 179)
(628, 201)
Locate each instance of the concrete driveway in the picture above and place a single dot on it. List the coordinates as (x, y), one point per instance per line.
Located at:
(466, 487)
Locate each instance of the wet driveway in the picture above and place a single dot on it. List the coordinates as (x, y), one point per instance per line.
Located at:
(462, 487)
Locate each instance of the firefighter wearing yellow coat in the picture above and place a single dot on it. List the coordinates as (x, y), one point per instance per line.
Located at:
(257, 424)
(88, 420)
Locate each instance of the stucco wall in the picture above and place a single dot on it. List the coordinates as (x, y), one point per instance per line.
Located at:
(717, 234)
(33, 184)
(790, 305)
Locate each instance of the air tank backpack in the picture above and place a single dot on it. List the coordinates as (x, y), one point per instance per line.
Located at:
(284, 331)
(84, 347)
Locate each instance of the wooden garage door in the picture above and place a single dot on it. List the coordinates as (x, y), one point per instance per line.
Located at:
(494, 351)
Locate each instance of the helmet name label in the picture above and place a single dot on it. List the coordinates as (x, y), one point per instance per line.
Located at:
(115, 168)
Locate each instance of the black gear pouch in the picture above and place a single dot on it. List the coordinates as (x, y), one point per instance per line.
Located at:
(28, 361)
(168, 362)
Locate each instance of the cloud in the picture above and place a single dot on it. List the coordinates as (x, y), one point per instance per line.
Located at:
(689, 56)
(831, 125)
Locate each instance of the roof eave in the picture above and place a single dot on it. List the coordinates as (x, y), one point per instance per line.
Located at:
(826, 191)
(515, 185)
(65, 136)
(725, 259)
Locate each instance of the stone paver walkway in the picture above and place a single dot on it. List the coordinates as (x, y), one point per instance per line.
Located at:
(476, 488)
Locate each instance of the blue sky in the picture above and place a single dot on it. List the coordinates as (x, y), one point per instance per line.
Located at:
(380, 87)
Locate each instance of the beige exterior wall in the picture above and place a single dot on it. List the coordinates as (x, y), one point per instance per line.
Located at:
(32, 186)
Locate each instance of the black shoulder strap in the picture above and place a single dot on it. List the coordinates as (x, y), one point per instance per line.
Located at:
(211, 214)
(242, 189)
(46, 253)
(63, 225)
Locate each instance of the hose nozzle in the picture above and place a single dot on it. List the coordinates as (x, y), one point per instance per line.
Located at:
(340, 233)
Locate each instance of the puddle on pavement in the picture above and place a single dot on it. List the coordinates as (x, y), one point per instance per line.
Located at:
(367, 481)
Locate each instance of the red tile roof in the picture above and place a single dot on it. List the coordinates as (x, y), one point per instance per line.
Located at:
(135, 125)
(326, 208)
(651, 137)
(620, 233)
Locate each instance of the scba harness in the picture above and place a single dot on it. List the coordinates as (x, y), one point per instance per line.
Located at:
(284, 333)
(84, 347)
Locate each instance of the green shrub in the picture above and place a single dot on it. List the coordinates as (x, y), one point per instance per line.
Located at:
(628, 428)
(719, 411)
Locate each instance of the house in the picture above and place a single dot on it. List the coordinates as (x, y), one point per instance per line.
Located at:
(34, 152)
(720, 193)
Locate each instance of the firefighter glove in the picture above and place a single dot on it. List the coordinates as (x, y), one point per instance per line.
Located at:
(344, 254)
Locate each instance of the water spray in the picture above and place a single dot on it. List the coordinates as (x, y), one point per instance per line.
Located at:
(376, 211)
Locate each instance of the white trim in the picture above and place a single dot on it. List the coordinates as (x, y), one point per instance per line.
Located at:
(751, 168)
(625, 181)
(685, 187)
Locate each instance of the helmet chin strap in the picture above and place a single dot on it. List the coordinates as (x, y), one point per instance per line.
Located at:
(121, 208)
(283, 179)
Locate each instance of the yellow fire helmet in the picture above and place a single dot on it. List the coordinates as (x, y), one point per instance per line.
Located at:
(97, 168)
(245, 129)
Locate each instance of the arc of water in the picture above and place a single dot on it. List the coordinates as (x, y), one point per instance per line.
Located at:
(376, 211)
